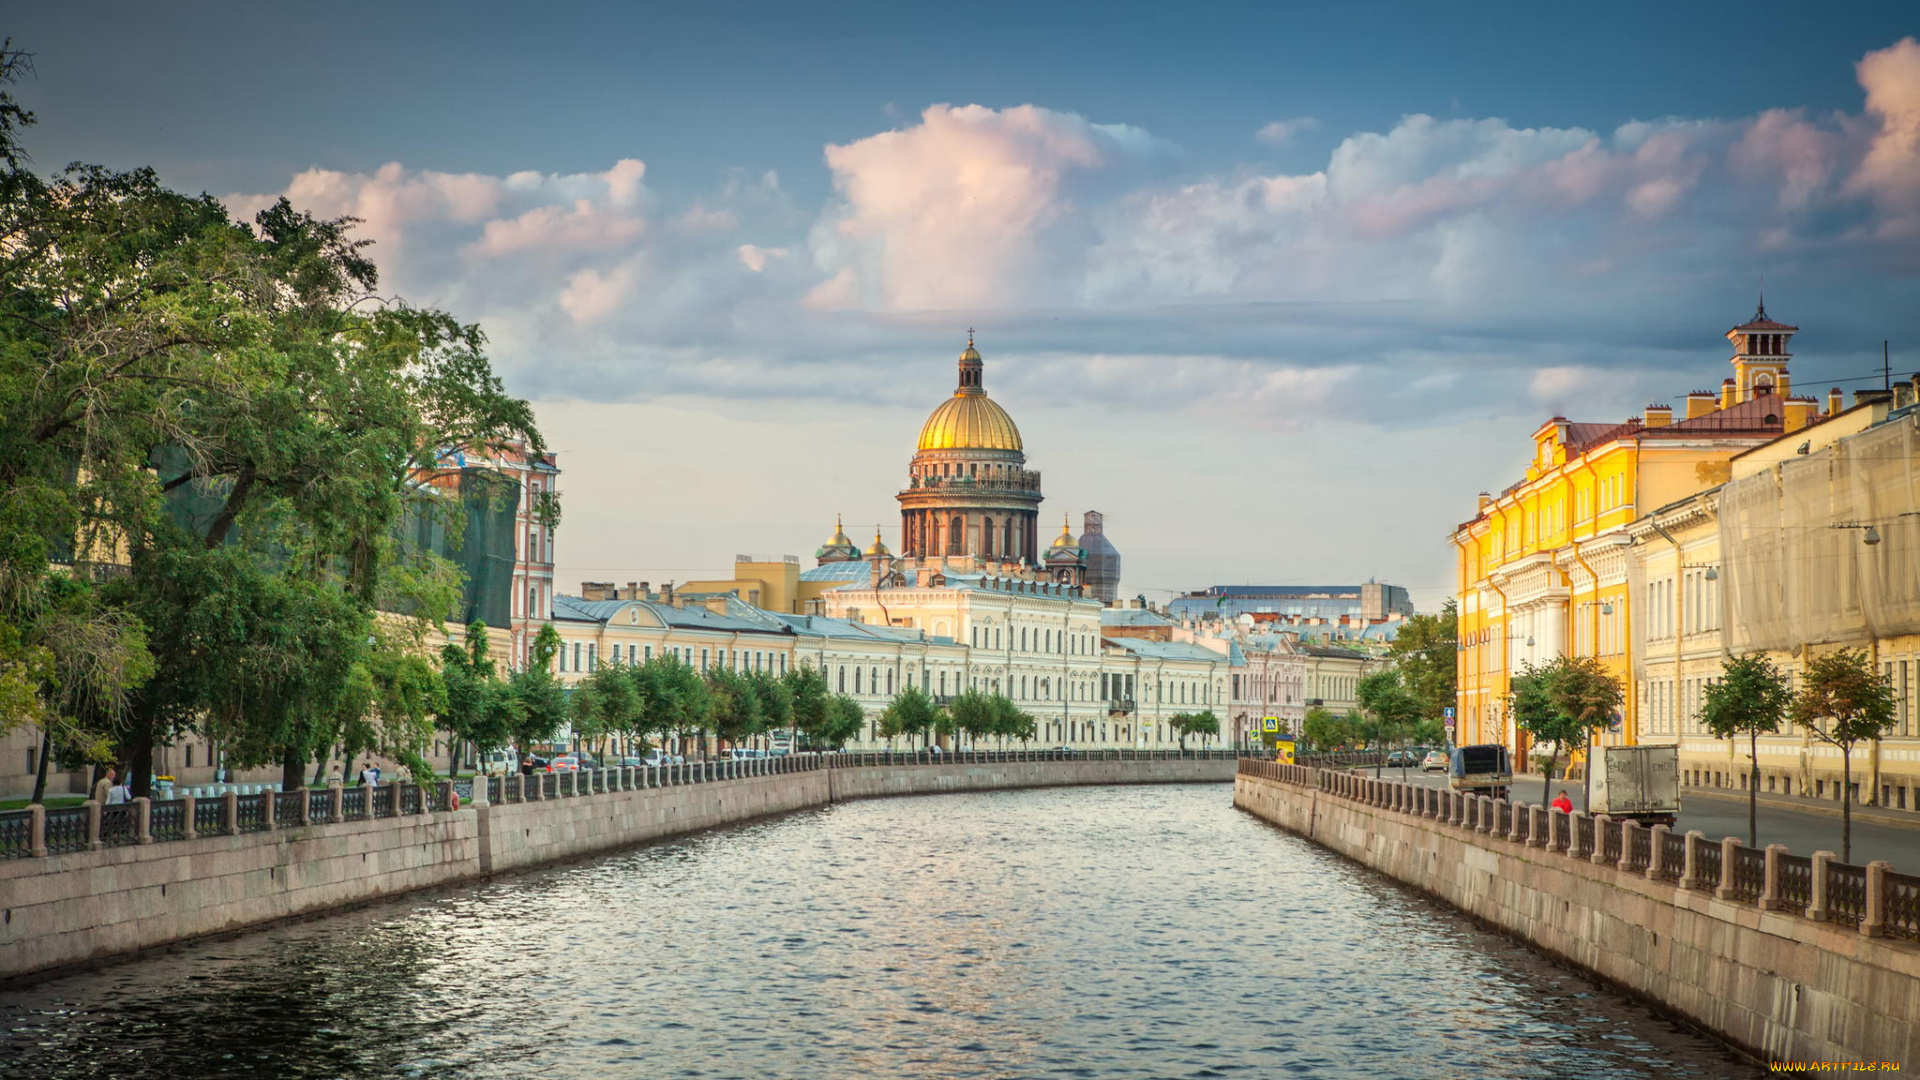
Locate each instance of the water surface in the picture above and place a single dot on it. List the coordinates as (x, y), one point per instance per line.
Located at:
(1073, 932)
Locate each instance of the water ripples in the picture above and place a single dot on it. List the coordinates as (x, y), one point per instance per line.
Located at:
(1084, 932)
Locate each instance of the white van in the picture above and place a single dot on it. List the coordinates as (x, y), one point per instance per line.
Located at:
(499, 763)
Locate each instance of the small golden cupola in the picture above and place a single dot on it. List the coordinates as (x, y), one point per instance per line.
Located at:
(878, 549)
(837, 548)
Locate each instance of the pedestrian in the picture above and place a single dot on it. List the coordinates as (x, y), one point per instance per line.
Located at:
(334, 777)
(103, 787)
(370, 775)
(526, 766)
(121, 792)
(1563, 804)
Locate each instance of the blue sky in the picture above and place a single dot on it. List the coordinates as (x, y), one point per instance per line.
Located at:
(1277, 287)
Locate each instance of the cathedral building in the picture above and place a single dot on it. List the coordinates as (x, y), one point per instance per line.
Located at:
(969, 491)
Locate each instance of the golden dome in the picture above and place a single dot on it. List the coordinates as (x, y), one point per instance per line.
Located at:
(839, 537)
(1066, 535)
(969, 422)
(879, 547)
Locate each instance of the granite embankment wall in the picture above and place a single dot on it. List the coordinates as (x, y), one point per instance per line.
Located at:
(1781, 985)
(63, 910)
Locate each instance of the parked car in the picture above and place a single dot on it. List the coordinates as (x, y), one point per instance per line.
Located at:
(742, 753)
(1403, 759)
(632, 762)
(658, 758)
(1435, 761)
(564, 763)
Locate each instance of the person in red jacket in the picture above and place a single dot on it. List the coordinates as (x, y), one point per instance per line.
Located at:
(1563, 804)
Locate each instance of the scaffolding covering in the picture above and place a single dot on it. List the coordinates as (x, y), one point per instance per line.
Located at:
(1797, 567)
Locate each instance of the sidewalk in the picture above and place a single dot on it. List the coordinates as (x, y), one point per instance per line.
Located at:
(1877, 815)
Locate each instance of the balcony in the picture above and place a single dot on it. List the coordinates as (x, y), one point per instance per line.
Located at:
(1024, 482)
(1119, 706)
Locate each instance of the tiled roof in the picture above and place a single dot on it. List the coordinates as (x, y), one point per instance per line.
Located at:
(692, 617)
(1165, 650)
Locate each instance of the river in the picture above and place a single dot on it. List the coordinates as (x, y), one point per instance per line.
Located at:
(1071, 932)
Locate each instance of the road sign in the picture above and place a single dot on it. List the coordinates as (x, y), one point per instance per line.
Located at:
(1447, 712)
(1270, 723)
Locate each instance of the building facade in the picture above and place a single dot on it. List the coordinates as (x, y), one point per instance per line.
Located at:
(1544, 567)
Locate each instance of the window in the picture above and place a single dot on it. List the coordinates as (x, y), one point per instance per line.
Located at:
(592, 659)
(576, 656)
(856, 680)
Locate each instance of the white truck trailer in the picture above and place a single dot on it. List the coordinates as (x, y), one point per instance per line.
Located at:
(1637, 782)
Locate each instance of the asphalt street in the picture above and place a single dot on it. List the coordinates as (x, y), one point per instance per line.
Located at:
(1804, 833)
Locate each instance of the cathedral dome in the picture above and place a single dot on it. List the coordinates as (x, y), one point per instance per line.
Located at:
(970, 420)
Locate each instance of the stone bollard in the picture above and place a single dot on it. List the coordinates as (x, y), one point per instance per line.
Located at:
(187, 831)
(1689, 869)
(37, 831)
(1573, 832)
(423, 804)
(1817, 897)
(1874, 922)
(1599, 856)
(366, 804)
(1729, 853)
(1770, 889)
(338, 790)
(269, 809)
(93, 825)
(1497, 812)
(482, 791)
(1459, 801)
(1656, 851)
(143, 820)
(1629, 830)
(1539, 824)
(231, 811)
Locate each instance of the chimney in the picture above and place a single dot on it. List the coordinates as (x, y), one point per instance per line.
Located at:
(1699, 403)
(1659, 415)
(1785, 385)
(633, 591)
(1486, 499)
(1862, 397)
(1728, 391)
(717, 603)
(1835, 402)
(646, 591)
(923, 576)
(1799, 411)
(666, 594)
(597, 590)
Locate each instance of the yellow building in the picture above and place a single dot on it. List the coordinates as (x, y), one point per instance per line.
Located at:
(1543, 566)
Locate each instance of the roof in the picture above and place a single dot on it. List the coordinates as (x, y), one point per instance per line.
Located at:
(692, 617)
(1132, 617)
(1149, 649)
(969, 420)
(851, 570)
(823, 626)
(1331, 653)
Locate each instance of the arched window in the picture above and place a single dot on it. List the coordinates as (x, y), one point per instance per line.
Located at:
(1007, 539)
(986, 537)
(956, 535)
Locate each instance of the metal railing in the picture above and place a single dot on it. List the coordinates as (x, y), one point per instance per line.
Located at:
(286, 806)
(1748, 876)
(16, 834)
(67, 830)
(1874, 898)
(250, 812)
(167, 820)
(1795, 875)
(119, 825)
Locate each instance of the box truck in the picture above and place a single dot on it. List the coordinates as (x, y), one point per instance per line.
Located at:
(1637, 782)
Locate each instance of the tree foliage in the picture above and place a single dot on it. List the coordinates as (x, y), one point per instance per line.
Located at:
(1842, 702)
(912, 712)
(1749, 698)
(231, 412)
(1425, 654)
(1204, 724)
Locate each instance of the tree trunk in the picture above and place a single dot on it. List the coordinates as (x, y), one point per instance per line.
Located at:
(140, 762)
(40, 771)
(1753, 789)
(1846, 803)
(1586, 776)
(1546, 785)
(293, 763)
(453, 757)
(320, 765)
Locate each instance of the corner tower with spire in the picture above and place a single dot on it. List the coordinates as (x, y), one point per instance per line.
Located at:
(968, 490)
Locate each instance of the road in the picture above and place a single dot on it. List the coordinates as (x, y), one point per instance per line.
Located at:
(1803, 833)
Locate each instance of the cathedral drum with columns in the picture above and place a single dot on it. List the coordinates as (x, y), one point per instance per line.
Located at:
(969, 491)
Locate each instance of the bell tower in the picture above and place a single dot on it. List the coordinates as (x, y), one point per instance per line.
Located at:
(1760, 356)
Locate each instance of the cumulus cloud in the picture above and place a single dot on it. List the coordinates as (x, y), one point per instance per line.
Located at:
(1281, 132)
(954, 211)
(1434, 265)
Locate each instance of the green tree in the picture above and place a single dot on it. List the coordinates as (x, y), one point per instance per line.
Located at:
(736, 715)
(1589, 696)
(977, 714)
(1323, 730)
(674, 698)
(174, 384)
(1842, 701)
(1534, 712)
(1391, 708)
(808, 690)
(480, 707)
(540, 702)
(844, 719)
(1203, 724)
(911, 712)
(1749, 698)
(1426, 654)
(776, 700)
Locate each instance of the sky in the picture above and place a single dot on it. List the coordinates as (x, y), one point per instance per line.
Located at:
(1277, 288)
